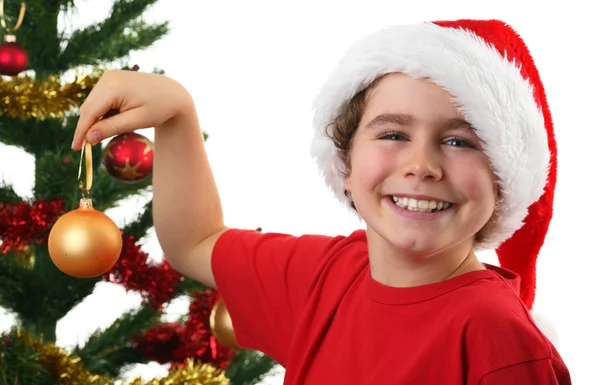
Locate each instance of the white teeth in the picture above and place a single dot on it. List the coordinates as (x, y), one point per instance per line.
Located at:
(420, 205)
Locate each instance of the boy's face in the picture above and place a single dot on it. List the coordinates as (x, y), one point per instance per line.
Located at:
(413, 141)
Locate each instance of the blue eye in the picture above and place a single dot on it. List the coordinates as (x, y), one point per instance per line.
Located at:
(458, 142)
(393, 136)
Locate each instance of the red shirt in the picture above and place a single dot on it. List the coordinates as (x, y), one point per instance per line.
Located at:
(310, 303)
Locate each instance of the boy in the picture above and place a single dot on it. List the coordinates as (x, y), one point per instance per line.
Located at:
(440, 137)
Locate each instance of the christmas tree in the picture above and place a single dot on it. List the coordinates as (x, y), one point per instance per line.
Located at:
(46, 75)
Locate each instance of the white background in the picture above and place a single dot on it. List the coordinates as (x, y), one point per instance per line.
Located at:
(254, 67)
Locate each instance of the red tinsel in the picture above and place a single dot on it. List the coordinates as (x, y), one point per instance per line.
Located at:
(173, 343)
(23, 223)
(156, 283)
(162, 343)
(201, 343)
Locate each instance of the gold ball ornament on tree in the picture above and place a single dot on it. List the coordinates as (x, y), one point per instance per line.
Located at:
(221, 326)
(85, 243)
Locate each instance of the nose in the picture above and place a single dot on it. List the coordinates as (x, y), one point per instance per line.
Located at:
(422, 162)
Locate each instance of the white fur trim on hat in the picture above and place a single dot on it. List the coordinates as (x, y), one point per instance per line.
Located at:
(490, 92)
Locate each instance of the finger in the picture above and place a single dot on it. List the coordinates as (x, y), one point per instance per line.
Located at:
(120, 123)
(87, 120)
(96, 105)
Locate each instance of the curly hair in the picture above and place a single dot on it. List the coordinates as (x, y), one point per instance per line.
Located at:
(343, 127)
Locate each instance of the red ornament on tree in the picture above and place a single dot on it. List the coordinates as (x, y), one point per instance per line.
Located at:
(129, 157)
(13, 58)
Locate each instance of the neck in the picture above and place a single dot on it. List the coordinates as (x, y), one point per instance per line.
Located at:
(400, 268)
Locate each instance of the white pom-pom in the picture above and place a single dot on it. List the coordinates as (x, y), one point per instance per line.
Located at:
(546, 326)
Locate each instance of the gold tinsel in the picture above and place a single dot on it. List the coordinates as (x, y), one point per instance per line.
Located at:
(190, 374)
(27, 98)
(26, 257)
(68, 369)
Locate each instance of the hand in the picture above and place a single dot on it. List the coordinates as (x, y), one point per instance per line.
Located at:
(124, 101)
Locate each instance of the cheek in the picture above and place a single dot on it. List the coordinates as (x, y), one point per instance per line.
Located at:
(478, 184)
(369, 165)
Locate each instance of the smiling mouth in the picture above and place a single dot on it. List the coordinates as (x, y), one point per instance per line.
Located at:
(424, 206)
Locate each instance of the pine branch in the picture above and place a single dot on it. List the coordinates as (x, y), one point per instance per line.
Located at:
(26, 290)
(39, 138)
(187, 286)
(114, 37)
(15, 279)
(139, 228)
(106, 352)
(249, 368)
(16, 132)
(53, 291)
(8, 194)
(18, 363)
(113, 363)
(56, 177)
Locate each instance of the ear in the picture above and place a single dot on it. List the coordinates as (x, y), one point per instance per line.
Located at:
(497, 191)
(347, 183)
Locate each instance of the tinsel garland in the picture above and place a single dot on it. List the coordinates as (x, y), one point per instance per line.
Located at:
(64, 368)
(156, 283)
(198, 330)
(24, 223)
(68, 369)
(28, 98)
(188, 374)
(174, 343)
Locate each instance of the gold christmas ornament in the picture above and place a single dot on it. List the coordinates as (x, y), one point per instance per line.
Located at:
(221, 326)
(85, 243)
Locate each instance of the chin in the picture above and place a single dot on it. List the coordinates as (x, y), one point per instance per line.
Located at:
(407, 242)
(418, 245)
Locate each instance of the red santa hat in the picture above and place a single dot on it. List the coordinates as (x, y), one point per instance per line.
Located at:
(487, 68)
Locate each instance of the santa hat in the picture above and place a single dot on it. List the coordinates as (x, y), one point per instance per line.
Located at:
(487, 68)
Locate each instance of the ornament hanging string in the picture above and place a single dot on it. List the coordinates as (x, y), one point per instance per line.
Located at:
(19, 19)
(86, 152)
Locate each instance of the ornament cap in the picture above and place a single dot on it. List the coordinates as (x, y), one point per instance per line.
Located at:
(8, 38)
(86, 203)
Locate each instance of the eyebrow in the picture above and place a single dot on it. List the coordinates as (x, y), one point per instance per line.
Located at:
(408, 119)
(452, 123)
(399, 119)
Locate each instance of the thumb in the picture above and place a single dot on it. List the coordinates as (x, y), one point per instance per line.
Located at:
(114, 125)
